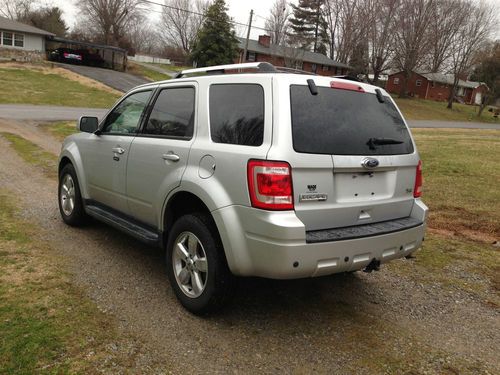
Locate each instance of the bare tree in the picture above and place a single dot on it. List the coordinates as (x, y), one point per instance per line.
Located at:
(15, 9)
(278, 22)
(470, 38)
(380, 34)
(110, 18)
(144, 37)
(411, 21)
(181, 20)
(447, 18)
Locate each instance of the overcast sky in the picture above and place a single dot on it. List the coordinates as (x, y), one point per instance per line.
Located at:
(239, 10)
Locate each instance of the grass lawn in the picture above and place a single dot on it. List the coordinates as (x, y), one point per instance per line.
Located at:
(60, 129)
(173, 68)
(32, 86)
(420, 109)
(143, 71)
(47, 325)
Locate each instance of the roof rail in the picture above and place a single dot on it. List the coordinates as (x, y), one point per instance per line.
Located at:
(285, 69)
(262, 67)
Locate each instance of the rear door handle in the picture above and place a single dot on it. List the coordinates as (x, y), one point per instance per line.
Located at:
(118, 150)
(171, 156)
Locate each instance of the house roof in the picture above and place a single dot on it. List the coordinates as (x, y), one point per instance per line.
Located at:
(448, 79)
(11, 25)
(296, 53)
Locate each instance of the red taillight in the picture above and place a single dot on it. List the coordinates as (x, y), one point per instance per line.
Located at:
(417, 191)
(346, 86)
(270, 185)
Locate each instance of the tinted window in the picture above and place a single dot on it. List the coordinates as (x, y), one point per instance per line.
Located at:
(173, 113)
(126, 116)
(237, 114)
(346, 122)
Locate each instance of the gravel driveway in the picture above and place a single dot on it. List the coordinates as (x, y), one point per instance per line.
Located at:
(354, 323)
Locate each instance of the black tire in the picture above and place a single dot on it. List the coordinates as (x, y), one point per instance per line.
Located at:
(219, 285)
(77, 217)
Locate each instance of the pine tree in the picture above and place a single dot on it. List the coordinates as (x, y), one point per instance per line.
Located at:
(216, 42)
(309, 26)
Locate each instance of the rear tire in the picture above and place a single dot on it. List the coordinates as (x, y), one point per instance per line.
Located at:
(196, 264)
(69, 197)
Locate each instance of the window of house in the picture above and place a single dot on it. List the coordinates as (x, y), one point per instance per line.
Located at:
(314, 68)
(418, 82)
(396, 81)
(237, 114)
(19, 40)
(433, 84)
(173, 114)
(299, 64)
(325, 68)
(6, 38)
(251, 56)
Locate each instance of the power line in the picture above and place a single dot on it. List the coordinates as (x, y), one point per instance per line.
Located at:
(197, 13)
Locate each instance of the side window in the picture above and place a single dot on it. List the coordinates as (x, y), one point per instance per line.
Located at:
(237, 114)
(173, 113)
(124, 119)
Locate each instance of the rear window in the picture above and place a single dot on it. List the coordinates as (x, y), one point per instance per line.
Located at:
(237, 114)
(343, 122)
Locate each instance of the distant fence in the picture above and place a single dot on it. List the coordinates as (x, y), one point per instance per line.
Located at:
(149, 59)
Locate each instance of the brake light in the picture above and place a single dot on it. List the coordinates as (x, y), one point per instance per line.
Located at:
(417, 191)
(270, 185)
(346, 86)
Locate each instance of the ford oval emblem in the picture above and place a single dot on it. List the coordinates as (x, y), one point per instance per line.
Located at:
(369, 163)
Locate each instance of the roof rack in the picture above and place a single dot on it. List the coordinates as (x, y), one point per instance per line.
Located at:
(285, 69)
(262, 67)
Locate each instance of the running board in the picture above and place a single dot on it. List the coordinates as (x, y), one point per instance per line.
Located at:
(125, 225)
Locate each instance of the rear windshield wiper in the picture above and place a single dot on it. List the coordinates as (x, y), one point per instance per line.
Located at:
(372, 142)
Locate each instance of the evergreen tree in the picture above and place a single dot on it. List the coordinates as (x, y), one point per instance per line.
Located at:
(309, 28)
(48, 19)
(216, 42)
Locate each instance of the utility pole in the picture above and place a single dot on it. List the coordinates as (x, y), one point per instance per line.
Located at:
(248, 36)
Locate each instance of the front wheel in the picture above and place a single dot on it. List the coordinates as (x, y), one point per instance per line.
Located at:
(69, 197)
(196, 264)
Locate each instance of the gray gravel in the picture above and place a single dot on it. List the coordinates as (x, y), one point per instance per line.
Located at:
(357, 323)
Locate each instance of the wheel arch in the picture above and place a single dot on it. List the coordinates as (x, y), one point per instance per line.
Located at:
(184, 202)
(70, 155)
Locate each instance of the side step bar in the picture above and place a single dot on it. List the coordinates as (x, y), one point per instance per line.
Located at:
(122, 223)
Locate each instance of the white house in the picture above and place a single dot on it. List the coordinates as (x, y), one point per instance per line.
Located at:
(21, 37)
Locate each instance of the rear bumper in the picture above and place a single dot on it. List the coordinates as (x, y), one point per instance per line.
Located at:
(273, 244)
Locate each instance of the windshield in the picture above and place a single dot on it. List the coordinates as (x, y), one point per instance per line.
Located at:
(343, 122)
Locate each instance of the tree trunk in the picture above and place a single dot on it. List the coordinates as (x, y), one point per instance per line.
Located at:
(403, 94)
(482, 106)
(453, 92)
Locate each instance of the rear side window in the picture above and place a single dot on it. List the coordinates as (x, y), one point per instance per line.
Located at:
(237, 114)
(172, 114)
(344, 122)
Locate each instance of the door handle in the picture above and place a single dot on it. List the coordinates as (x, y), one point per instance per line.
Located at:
(118, 150)
(171, 156)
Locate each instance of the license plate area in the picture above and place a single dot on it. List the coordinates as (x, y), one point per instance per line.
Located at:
(363, 186)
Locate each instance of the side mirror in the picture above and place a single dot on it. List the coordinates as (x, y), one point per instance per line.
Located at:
(88, 124)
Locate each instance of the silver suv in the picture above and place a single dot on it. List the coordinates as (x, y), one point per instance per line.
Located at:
(249, 171)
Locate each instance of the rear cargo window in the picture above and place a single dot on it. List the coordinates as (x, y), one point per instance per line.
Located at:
(237, 114)
(344, 122)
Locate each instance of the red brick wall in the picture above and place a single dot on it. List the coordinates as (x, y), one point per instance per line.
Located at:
(438, 91)
(411, 87)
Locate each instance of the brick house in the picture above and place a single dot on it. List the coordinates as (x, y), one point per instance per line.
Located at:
(437, 86)
(263, 50)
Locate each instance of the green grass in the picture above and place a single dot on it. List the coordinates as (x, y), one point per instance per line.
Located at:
(33, 154)
(173, 68)
(420, 109)
(61, 129)
(150, 74)
(47, 325)
(461, 178)
(32, 86)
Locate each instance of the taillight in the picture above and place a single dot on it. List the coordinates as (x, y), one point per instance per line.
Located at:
(270, 185)
(417, 191)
